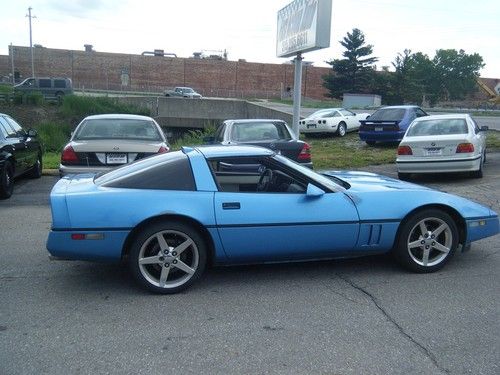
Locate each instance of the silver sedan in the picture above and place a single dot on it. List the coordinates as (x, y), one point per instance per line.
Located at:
(442, 143)
(102, 142)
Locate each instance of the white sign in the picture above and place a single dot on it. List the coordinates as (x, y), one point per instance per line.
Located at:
(303, 25)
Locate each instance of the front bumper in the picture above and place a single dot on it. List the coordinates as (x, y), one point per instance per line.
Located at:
(435, 165)
(479, 228)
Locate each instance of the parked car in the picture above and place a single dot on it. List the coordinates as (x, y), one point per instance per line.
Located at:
(49, 87)
(171, 215)
(20, 153)
(331, 120)
(442, 143)
(389, 124)
(273, 134)
(183, 92)
(102, 142)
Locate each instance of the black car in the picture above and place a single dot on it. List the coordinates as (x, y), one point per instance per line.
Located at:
(272, 134)
(20, 153)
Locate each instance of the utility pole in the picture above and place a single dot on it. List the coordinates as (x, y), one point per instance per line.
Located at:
(31, 42)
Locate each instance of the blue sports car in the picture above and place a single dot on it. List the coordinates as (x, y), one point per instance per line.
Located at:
(171, 215)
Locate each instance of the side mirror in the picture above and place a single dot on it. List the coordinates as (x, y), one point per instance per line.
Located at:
(209, 139)
(484, 128)
(314, 191)
(367, 117)
(32, 133)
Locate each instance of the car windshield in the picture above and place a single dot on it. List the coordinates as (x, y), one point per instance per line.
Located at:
(322, 180)
(260, 131)
(438, 127)
(118, 129)
(388, 114)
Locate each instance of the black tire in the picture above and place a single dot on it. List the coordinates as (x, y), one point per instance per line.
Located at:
(7, 181)
(168, 262)
(370, 143)
(404, 176)
(479, 172)
(36, 170)
(342, 129)
(435, 247)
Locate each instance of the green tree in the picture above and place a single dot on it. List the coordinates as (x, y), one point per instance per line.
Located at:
(353, 73)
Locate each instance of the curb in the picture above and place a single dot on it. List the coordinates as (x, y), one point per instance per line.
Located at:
(50, 172)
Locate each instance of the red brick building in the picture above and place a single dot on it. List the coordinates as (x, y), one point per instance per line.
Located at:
(117, 71)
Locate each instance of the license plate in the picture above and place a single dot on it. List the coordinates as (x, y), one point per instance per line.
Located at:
(379, 129)
(311, 126)
(116, 158)
(433, 152)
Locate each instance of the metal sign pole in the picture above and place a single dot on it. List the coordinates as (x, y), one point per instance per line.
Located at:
(297, 88)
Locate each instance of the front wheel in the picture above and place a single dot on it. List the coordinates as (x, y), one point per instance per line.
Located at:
(6, 181)
(426, 241)
(342, 129)
(168, 257)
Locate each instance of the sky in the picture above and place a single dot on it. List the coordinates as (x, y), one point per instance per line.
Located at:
(246, 29)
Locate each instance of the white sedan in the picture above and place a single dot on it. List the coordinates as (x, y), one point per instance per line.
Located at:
(442, 143)
(332, 120)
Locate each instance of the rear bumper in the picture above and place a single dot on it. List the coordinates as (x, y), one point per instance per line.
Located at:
(422, 165)
(382, 136)
(107, 248)
(320, 128)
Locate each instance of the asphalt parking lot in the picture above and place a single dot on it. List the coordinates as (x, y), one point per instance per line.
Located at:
(358, 316)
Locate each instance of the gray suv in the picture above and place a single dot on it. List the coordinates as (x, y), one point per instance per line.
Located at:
(49, 87)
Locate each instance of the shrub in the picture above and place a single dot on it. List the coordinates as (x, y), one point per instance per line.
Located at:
(82, 106)
(194, 137)
(54, 136)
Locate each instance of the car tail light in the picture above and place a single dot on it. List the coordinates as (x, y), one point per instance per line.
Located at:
(465, 147)
(69, 155)
(305, 153)
(163, 149)
(405, 150)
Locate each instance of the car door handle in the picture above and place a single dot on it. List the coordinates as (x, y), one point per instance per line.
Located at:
(231, 205)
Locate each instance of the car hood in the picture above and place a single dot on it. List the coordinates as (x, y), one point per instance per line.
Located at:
(116, 145)
(360, 181)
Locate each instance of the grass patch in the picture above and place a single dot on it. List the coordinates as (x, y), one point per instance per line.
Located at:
(51, 160)
(193, 138)
(493, 140)
(349, 152)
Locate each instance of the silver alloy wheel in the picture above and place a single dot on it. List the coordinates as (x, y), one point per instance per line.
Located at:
(430, 241)
(342, 129)
(168, 259)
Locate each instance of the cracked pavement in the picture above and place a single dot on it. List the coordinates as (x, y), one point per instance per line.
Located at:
(357, 316)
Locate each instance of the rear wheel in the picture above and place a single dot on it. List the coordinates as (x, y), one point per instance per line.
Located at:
(404, 176)
(342, 129)
(6, 181)
(426, 241)
(370, 143)
(167, 257)
(36, 171)
(479, 172)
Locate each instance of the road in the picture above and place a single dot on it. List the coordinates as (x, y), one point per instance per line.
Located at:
(361, 316)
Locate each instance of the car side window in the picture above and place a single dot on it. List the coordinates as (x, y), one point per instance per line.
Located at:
(345, 112)
(420, 113)
(477, 129)
(19, 130)
(254, 175)
(7, 128)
